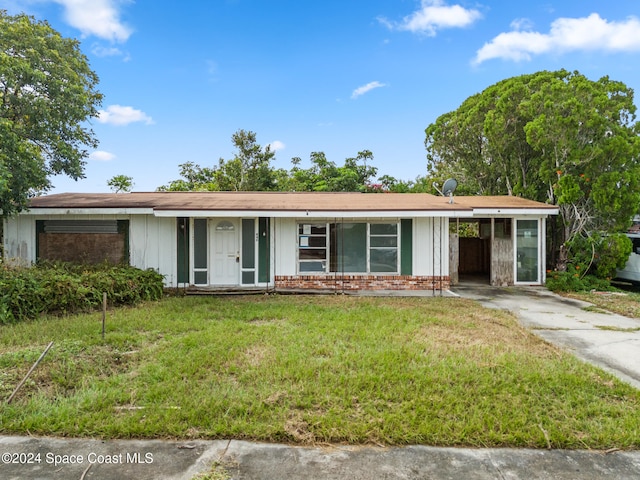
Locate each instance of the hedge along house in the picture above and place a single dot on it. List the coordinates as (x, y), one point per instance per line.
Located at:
(335, 241)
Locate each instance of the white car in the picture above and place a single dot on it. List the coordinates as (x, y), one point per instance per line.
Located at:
(631, 271)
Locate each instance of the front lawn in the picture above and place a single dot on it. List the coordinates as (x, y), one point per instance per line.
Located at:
(302, 369)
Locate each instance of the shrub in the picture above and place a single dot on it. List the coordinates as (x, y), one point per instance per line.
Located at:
(573, 280)
(601, 254)
(26, 293)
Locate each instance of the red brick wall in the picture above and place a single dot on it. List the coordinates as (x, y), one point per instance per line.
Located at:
(82, 247)
(362, 282)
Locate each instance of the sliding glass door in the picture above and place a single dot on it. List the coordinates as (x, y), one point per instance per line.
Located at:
(527, 251)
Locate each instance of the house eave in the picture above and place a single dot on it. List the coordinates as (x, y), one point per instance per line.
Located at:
(457, 213)
(512, 212)
(315, 213)
(88, 211)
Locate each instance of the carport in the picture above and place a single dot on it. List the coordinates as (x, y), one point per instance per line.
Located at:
(497, 250)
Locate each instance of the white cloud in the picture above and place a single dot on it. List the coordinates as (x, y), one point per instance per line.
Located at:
(434, 15)
(96, 17)
(102, 156)
(566, 34)
(119, 115)
(522, 24)
(102, 51)
(277, 145)
(366, 88)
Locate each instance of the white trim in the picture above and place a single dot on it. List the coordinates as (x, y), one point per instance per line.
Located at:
(543, 251)
(89, 211)
(192, 268)
(539, 242)
(301, 214)
(462, 213)
(256, 260)
(327, 266)
(511, 212)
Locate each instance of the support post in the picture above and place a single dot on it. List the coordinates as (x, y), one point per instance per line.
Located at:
(104, 312)
(33, 367)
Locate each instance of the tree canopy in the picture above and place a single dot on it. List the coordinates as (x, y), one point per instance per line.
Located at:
(555, 137)
(326, 176)
(47, 93)
(251, 170)
(120, 183)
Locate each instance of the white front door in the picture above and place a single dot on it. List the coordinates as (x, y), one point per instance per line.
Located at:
(225, 253)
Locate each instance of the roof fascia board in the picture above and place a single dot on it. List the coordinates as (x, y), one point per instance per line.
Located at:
(315, 214)
(480, 212)
(88, 211)
(458, 213)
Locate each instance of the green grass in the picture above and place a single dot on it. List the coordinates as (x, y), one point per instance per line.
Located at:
(218, 471)
(392, 371)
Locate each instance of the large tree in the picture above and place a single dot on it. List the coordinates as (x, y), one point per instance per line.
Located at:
(250, 170)
(47, 94)
(550, 136)
(586, 136)
(325, 176)
(120, 183)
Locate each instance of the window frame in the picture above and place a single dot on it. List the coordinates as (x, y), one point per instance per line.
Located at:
(383, 248)
(328, 247)
(303, 233)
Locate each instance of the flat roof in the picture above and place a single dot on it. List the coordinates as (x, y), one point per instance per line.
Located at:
(281, 201)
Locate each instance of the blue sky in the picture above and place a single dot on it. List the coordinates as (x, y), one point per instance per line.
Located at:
(338, 76)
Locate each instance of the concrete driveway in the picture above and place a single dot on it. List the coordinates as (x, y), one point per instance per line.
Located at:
(607, 340)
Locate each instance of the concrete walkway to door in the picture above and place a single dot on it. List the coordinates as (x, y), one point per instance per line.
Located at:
(607, 340)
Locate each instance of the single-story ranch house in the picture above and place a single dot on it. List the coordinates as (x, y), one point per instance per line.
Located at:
(276, 240)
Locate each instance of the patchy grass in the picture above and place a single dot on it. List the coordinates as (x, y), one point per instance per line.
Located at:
(392, 371)
(617, 329)
(218, 471)
(595, 309)
(622, 303)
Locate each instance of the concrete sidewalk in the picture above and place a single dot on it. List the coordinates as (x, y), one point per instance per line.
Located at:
(609, 341)
(54, 458)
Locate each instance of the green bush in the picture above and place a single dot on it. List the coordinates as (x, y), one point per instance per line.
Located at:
(26, 293)
(602, 254)
(573, 280)
(593, 261)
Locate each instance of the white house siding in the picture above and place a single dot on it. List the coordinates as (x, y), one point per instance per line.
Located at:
(431, 247)
(428, 245)
(153, 244)
(20, 239)
(152, 240)
(284, 261)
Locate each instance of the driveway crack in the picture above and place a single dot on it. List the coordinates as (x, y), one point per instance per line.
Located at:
(495, 465)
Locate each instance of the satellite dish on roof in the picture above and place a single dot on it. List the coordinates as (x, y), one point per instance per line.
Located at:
(448, 188)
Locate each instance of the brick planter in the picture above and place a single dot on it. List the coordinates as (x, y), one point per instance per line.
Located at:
(361, 282)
